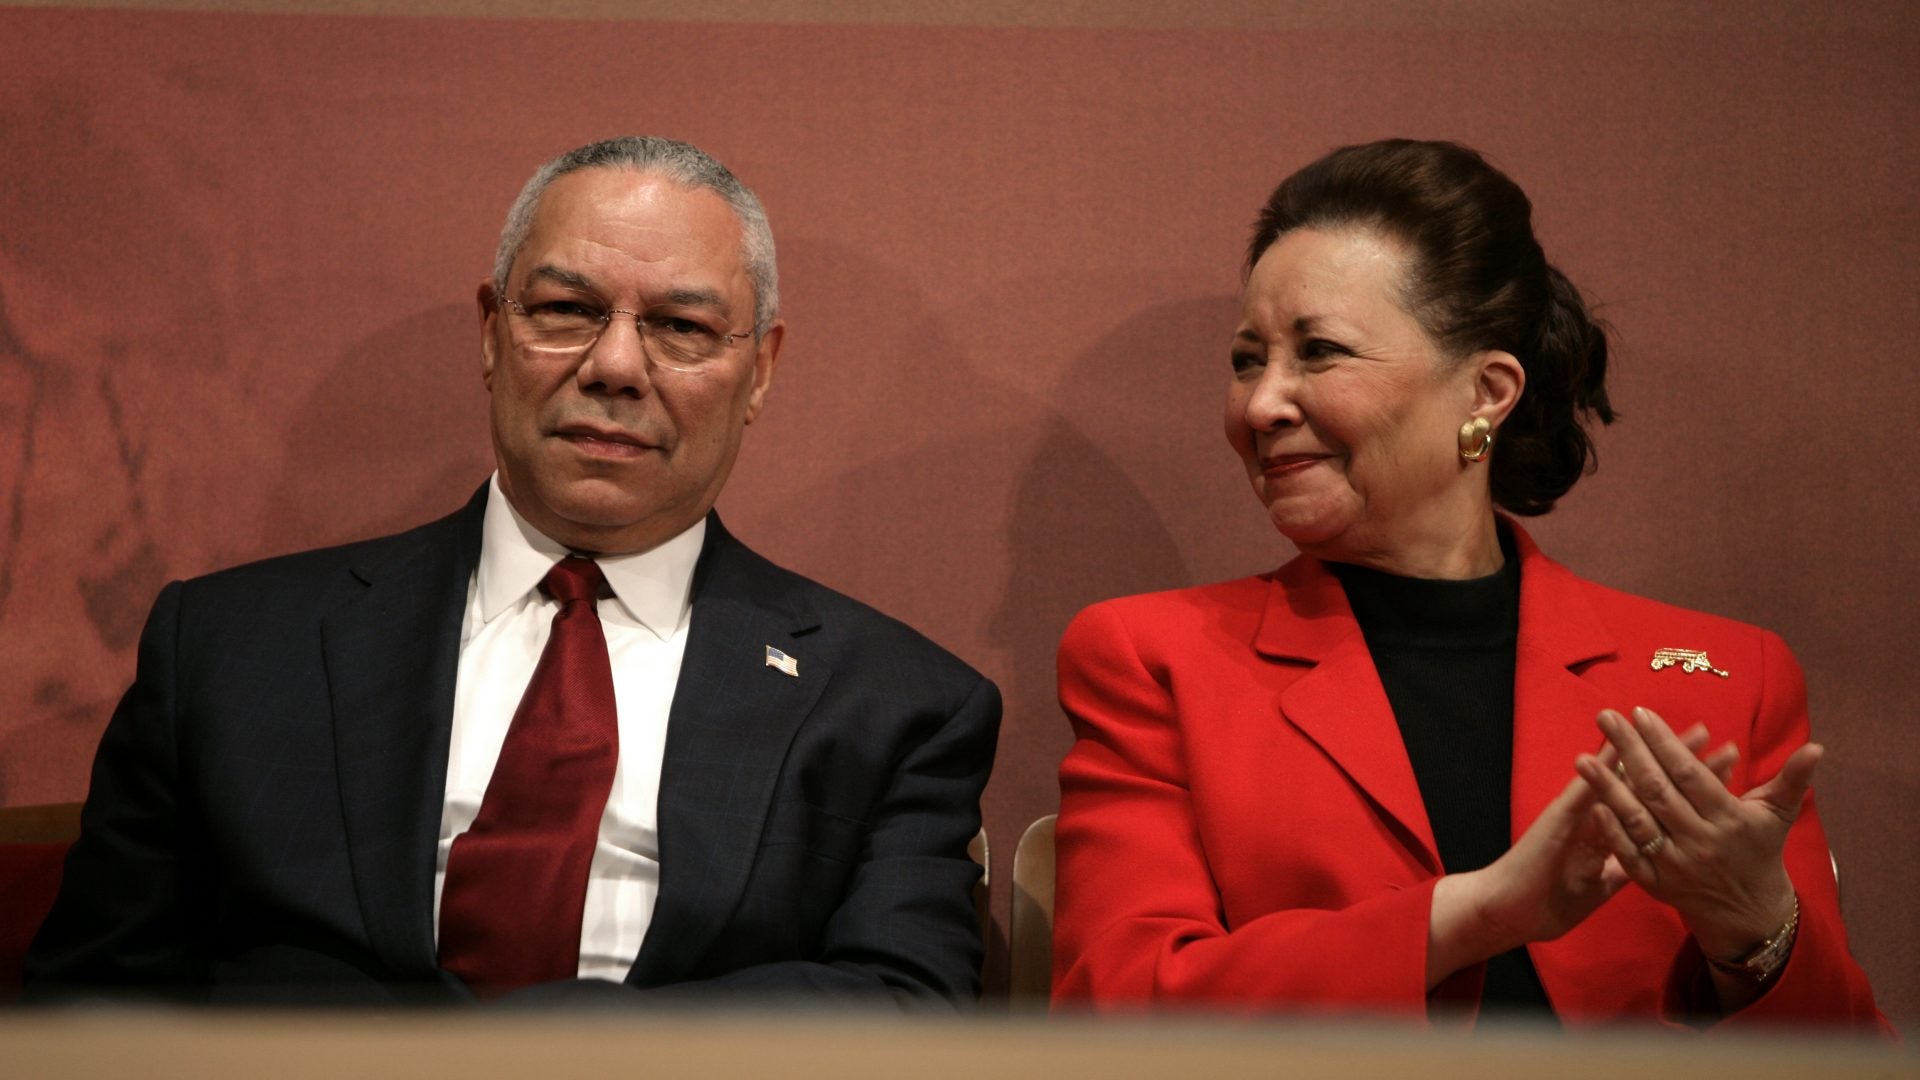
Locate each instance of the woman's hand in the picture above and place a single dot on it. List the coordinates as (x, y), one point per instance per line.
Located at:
(1677, 831)
(1560, 871)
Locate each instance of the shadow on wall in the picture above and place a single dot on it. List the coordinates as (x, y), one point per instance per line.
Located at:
(914, 461)
(103, 376)
(1103, 499)
(1876, 892)
(1095, 511)
(22, 376)
(394, 435)
(877, 465)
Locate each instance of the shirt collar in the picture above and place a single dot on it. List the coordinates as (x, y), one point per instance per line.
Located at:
(654, 588)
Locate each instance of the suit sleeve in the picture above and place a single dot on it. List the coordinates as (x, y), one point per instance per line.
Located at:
(906, 927)
(131, 902)
(1138, 919)
(1822, 983)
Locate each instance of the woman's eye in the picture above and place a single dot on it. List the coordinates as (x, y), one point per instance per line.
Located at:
(1320, 350)
(1247, 361)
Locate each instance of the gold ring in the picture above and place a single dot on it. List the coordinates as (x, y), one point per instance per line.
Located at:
(1652, 847)
(1620, 770)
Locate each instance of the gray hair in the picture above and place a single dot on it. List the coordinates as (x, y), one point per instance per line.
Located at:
(681, 162)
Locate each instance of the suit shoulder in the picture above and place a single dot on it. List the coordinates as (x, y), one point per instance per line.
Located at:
(1639, 617)
(1233, 606)
(1247, 594)
(1739, 679)
(1654, 640)
(320, 568)
(861, 628)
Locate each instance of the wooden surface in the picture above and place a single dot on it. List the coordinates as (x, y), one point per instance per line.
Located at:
(40, 823)
(162, 1046)
(1030, 917)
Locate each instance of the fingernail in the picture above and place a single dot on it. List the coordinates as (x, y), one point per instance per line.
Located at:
(1642, 717)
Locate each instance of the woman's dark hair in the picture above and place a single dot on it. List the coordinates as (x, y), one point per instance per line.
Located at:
(1477, 280)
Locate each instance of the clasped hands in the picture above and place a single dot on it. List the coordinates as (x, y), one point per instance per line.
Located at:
(1677, 832)
(1651, 810)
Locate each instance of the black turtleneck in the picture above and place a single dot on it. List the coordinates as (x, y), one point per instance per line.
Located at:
(1445, 653)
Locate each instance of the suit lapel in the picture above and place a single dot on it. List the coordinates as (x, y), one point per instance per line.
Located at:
(1343, 708)
(392, 654)
(1340, 704)
(1554, 700)
(728, 730)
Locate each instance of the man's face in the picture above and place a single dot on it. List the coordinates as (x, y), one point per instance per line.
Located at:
(599, 448)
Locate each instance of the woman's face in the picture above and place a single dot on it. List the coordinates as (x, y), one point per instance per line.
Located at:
(1345, 412)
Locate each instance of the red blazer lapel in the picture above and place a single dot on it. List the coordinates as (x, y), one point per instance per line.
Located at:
(1554, 701)
(1340, 704)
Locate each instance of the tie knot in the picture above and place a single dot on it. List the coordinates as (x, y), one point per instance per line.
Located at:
(573, 578)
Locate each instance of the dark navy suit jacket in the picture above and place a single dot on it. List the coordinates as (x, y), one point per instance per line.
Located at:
(266, 800)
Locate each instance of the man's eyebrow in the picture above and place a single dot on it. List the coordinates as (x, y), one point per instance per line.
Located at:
(553, 273)
(697, 298)
(683, 297)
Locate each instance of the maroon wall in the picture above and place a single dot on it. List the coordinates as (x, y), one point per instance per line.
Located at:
(238, 253)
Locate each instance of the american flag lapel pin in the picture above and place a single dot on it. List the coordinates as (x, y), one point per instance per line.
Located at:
(782, 663)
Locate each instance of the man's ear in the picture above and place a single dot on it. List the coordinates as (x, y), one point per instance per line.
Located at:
(1497, 384)
(766, 354)
(489, 319)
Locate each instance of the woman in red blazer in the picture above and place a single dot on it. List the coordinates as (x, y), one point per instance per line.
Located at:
(1390, 777)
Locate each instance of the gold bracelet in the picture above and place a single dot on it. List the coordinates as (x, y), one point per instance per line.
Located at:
(1767, 958)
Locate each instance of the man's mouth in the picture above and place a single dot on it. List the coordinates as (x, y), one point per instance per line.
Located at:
(606, 440)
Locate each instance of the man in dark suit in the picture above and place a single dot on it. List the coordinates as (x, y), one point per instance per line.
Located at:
(573, 741)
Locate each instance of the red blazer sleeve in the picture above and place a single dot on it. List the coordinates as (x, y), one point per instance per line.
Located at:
(1821, 984)
(1138, 919)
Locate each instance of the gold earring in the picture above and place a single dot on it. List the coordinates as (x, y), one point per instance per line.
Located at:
(1476, 438)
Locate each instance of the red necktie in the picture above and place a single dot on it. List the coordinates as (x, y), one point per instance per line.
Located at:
(516, 882)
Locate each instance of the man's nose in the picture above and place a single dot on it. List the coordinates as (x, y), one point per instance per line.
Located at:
(616, 363)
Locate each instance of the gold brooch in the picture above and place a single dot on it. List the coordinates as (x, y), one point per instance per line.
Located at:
(1690, 661)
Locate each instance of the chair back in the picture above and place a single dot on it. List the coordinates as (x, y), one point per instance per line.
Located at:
(982, 899)
(1030, 918)
(33, 852)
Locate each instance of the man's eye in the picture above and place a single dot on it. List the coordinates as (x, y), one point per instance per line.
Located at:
(675, 326)
(562, 309)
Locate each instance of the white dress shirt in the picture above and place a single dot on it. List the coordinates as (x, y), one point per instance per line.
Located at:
(501, 637)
